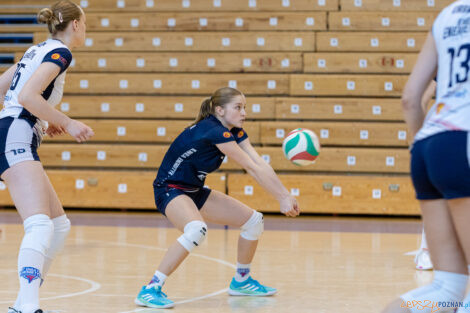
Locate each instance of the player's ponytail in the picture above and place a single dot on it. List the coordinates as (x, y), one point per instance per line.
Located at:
(204, 111)
(59, 15)
(220, 97)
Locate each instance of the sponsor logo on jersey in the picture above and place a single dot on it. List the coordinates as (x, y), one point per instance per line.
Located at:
(63, 60)
(55, 56)
(227, 134)
(440, 106)
(241, 133)
(30, 274)
(202, 175)
(30, 54)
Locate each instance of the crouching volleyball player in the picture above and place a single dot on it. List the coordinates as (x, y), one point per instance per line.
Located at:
(30, 89)
(181, 196)
(440, 159)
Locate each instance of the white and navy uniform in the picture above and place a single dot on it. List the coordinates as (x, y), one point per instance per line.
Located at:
(190, 158)
(441, 150)
(20, 131)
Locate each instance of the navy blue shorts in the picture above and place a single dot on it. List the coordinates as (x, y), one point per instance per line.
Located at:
(18, 142)
(440, 166)
(165, 193)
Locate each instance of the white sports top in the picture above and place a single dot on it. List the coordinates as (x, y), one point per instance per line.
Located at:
(51, 50)
(451, 32)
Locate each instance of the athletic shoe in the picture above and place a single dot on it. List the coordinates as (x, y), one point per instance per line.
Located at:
(249, 287)
(153, 298)
(423, 260)
(13, 310)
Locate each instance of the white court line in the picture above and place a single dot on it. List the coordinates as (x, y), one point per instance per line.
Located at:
(94, 286)
(162, 249)
(412, 252)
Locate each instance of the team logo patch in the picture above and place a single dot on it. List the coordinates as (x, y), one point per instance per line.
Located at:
(55, 56)
(243, 271)
(30, 274)
(241, 133)
(154, 280)
(440, 106)
(227, 134)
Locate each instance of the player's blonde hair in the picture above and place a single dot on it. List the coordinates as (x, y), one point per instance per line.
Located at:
(220, 97)
(59, 15)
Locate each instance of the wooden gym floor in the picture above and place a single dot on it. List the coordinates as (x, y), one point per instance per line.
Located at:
(318, 264)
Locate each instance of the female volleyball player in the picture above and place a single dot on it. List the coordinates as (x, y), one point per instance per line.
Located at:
(30, 89)
(181, 196)
(440, 159)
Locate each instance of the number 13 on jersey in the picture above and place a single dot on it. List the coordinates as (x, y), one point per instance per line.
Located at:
(461, 56)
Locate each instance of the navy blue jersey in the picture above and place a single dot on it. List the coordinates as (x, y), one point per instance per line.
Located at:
(194, 154)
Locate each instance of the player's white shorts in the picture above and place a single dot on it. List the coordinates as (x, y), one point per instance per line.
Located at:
(19, 141)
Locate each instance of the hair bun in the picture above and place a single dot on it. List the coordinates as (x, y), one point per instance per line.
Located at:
(46, 16)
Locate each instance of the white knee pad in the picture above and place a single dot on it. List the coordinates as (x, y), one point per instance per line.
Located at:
(443, 294)
(61, 231)
(254, 227)
(194, 234)
(38, 233)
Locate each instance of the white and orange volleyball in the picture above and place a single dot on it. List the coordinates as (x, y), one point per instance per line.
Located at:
(301, 146)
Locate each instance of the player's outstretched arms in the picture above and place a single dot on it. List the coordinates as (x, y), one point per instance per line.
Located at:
(247, 157)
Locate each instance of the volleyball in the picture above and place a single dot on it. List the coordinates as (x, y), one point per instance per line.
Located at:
(301, 146)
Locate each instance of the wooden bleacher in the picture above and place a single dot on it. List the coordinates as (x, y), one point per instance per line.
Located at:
(107, 189)
(195, 41)
(210, 5)
(167, 83)
(381, 21)
(394, 5)
(370, 41)
(207, 21)
(347, 85)
(332, 194)
(282, 108)
(246, 62)
(148, 107)
(186, 62)
(359, 62)
(133, 156)
(337, 67)
(149, 131)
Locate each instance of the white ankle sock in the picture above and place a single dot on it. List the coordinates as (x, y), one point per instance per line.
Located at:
(243, 272)
(158, 279)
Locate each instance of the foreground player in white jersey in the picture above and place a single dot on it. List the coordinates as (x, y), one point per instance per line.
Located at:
(440, 160)
(30, 89)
